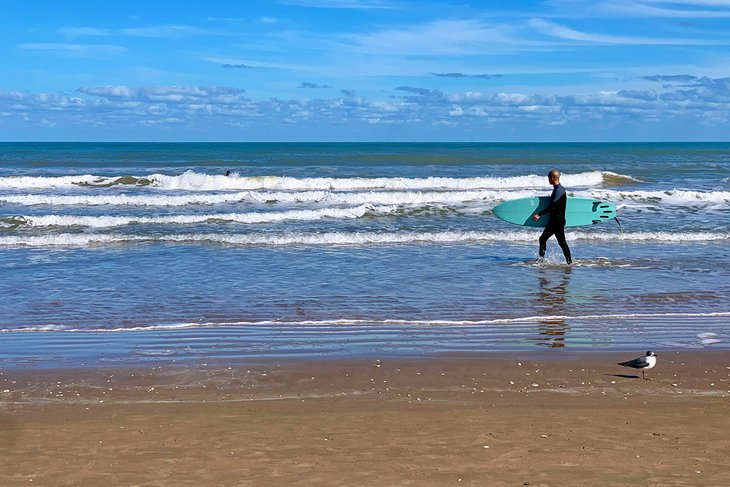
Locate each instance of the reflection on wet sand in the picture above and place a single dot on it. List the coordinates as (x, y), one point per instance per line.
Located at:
(551, 295)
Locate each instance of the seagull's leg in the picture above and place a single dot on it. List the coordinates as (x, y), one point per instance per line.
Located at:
(642, 374)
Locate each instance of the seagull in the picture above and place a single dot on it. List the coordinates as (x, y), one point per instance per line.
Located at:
(643, 363)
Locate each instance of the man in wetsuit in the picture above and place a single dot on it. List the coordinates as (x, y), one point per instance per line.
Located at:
(556, 225)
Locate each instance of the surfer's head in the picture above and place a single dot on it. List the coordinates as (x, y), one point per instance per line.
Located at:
(554, 176)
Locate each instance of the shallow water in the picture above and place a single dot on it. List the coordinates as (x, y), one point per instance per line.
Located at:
(147, 252)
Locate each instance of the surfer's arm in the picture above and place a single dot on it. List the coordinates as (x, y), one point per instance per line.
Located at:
(554, 198)
(549, 207)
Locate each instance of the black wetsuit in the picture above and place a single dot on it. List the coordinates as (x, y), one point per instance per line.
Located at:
(556, 225)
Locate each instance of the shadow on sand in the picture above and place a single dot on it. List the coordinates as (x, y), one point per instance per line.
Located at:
(624, 376)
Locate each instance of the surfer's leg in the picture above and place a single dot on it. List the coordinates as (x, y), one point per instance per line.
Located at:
(546, 234)
(560, 236)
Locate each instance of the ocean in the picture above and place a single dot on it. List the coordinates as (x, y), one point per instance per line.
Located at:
(129, 253)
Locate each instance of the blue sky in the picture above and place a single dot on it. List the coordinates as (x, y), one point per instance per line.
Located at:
(365, 70)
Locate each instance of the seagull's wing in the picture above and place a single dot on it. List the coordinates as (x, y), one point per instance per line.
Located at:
(637, 363)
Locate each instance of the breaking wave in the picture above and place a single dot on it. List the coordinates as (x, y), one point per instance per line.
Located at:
(193, 181)
(675, 197)
(329, 197)
(707, 199)
(106, 221)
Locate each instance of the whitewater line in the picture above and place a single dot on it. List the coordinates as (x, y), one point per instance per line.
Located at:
(680, 198)
(249, 218)
(268, 197)
(355, 238)
(193, 181)
(358, 322)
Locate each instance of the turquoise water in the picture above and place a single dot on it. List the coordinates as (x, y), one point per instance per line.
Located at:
(121, 253)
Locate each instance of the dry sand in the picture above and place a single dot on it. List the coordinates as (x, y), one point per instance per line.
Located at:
(487, 420)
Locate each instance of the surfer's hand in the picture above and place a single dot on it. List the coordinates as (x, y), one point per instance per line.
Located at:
(536, 217)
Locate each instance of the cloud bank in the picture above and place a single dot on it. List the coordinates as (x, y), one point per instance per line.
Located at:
(701, 100)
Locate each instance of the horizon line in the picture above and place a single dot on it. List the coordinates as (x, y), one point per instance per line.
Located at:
(361, 142)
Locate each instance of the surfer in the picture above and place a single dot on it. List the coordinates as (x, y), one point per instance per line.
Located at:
(556, 225)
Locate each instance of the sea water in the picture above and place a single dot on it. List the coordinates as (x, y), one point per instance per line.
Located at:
(120, 253)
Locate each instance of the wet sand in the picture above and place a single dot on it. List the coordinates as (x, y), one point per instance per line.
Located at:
(458, 420)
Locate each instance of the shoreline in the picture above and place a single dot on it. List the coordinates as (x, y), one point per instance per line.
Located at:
(461, 419)
(426, 339)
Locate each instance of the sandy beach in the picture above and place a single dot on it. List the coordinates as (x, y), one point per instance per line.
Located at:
(451, 420)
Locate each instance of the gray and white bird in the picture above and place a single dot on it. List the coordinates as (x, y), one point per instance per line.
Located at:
(643, 363)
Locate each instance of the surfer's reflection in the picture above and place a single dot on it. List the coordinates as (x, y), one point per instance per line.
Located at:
(552, 294)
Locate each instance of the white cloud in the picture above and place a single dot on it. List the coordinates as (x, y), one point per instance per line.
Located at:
(154, 31)
(251, 63)
(74, 50)
(344, 4)
(164, 31)
(564, 32)
(703, 3)
(692, 104)
(171, 94)
(109, 91)
(667, 9)
(441, 37)
(511, 98)
(84, 31)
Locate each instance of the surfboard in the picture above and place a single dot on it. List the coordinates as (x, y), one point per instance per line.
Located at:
(578, 211)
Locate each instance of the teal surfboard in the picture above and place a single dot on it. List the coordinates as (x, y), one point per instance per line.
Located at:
(578, 211)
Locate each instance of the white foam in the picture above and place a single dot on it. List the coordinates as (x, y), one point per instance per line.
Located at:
(192, 181)
(106, 221)
(121, 200)
(344, 238)
(63, 240)
(625, 199)
(674, 197)
(343, 322)
(708, 338)
(324, 197)
(660, 237)
(38, 329)
(37, 182)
